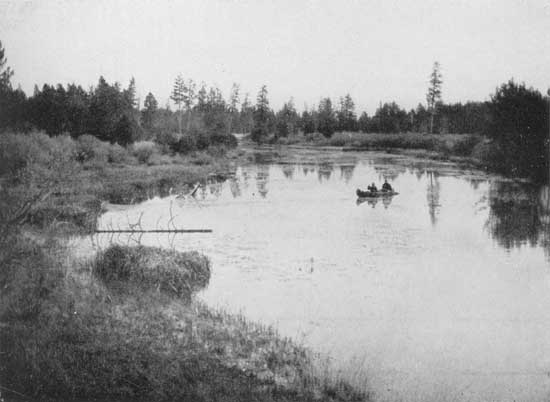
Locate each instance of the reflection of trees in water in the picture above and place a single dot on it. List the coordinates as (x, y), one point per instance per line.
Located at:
(215, 187)
(389, 173)
(476, 182)
(245, 174)
(262, 177)
(324, 171)
(432, 195)
(544, 206)
(288, 171)
(235, 187)
(519, 214)
(346, 172)
(308, 169)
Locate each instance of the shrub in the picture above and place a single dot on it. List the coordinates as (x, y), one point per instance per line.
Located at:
(154, 268)
(228, 140)
(315, 137)
(185, 144)
(465, 146)
(203, 140)
(89, 148)
(166, 140)
(117, 154)
(32, 167)
(143, 150)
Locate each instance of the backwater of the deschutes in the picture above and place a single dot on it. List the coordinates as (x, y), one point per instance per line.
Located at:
(439, 293)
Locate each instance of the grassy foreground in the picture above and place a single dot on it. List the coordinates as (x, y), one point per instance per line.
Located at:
(97, 329)
(123, 325)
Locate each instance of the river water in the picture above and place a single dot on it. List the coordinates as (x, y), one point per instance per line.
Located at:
(440, 293)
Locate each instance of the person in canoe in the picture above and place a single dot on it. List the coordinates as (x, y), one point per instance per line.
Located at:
(372, 188)
(386, 186)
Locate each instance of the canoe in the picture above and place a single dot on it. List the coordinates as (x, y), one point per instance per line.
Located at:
(376, 194)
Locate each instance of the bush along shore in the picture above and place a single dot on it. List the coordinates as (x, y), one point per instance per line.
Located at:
(124, 326)
(64, 181)
(467, 149)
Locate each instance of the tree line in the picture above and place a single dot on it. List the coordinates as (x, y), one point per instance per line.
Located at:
(515, 117)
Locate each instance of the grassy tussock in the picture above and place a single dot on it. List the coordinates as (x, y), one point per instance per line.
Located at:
(169, 271)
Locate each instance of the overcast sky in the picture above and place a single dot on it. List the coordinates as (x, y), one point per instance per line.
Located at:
(377, 51)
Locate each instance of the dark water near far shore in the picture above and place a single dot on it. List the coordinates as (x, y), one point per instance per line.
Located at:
(440, 293)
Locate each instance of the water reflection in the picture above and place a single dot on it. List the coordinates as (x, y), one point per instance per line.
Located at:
(385, 201)
(346, 172)
(235, 187)
(262, 179)
(324, 171)
(432, 195)
(519, 214)
(288, 171)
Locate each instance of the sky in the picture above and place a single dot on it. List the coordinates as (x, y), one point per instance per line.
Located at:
(375, 50)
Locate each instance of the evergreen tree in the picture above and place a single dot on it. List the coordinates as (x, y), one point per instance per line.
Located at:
(519, 125)
(433, 97)
(364, 122)
(201, 98)
(307, 121)
(130, 94)
(286, 120)
(189, 97)
(178, 96)
(262, 112)
(347, 120)
(149, 111)
(5, 72)
(246, 115)
(327, 122)
(233, 105)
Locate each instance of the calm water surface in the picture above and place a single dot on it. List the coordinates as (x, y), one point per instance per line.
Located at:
(441, 293)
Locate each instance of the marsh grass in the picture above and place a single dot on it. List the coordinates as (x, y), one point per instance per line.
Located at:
(172, 272)
(450, 144)
(89, 341)
(78, 175)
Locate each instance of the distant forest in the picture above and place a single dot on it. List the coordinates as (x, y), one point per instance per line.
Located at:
(516, 117)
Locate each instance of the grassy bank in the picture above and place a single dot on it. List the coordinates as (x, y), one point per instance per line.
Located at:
(471, 149)
(99, 330)
(71, 178)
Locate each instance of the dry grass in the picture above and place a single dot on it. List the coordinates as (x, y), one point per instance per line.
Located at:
(178, 274)
(89, 341)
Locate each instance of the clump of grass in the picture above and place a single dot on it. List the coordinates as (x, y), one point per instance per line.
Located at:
(169, 271)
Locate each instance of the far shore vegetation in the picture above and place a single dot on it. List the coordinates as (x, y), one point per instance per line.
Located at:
(123, 325)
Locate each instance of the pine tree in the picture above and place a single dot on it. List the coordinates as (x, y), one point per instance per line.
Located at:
(189, 96)
(327, 119)
(233, 105)
(149, 111)
(178, 96)
(433, 97)
(5, 73)
(261, 116)
(347, 120)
